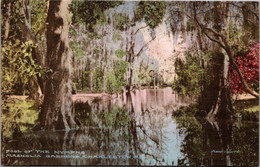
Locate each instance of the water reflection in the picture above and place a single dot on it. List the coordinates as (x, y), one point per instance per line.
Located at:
(219, 143)
(137, 128)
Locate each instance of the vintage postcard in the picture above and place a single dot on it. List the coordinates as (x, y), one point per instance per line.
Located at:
(165, 83)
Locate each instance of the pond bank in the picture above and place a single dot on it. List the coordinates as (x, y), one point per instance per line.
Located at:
(88, 96)
(243, 110)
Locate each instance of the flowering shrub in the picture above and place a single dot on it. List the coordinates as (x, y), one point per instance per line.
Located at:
(249, 67)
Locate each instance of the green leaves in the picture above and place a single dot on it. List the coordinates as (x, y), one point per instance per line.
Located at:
(116, 79)
(112, 84)
(38, 17)
(117, 117)
(76, 50)
(239, 40)
(18, 66)
(117, 37)
(98, 80)
(120, 22)
(120, 53)
(190, 75)
(18, 115)
(90, 13)
(152, 12)
(190, 25)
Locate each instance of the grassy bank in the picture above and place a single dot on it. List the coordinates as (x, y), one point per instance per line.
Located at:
(18, 116)
(246, 110)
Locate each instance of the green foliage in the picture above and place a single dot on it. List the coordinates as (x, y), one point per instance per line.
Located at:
(72, 32)
(94, 36)
(82, 84)
(120, 53)
(190, 75)
(112, 84)
(245, 140)
(117, 37)
(120, 67)
(83, 114)
(207, 17)
(201, 138)
(76, 50)
(190, 25)
(117, 117)
(141, 76)
(188, 111)
(38, 17)
(116, 79)
(98, 80)
(96, 50)
(120, 22)
(109, 120)
(152, 12)
(239, 40)
(193, 145)
(90, 13)
(17, 62)
(18, 116)
(246, 110)
(18, 66)
(15, 18)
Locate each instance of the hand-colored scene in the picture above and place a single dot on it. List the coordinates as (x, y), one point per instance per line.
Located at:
(129, 83)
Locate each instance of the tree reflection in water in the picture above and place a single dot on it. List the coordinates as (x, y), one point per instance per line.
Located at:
(218, 142)
(139, 126)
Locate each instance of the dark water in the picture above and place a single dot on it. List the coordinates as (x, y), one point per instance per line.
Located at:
(139, 129)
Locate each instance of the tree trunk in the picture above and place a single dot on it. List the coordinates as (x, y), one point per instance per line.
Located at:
(35, 91)
(7, 21)
(220, 106)
(91, 77)
(82, 80)
(131, 60)
(56, 111)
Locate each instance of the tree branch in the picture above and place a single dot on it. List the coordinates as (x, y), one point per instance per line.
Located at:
(253, 12)
(206, 28)
(27, 26)
(7, 21)
(140, 29)
(140, 51)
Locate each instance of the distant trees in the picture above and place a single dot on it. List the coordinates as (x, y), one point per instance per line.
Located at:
(87, 17)
(153, 14)
(102, 78)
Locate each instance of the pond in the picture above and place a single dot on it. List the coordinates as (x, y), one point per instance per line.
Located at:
(138, 128)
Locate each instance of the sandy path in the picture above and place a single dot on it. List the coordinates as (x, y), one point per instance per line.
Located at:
(244, 96)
